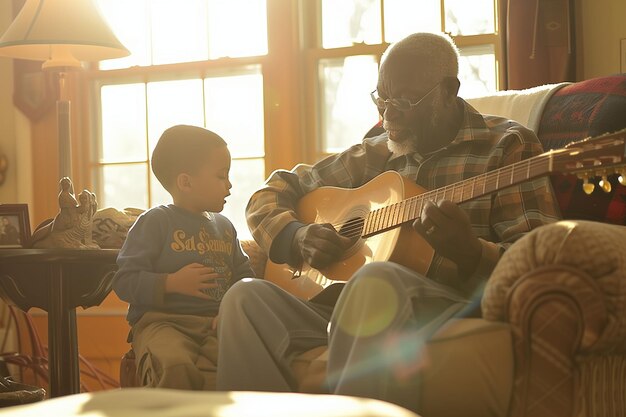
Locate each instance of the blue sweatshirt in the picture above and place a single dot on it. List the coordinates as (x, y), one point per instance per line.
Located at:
(163, 240)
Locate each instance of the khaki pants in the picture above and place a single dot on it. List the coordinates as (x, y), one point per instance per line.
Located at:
(175, 351)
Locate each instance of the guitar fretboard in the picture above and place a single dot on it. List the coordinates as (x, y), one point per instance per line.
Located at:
(394, 215)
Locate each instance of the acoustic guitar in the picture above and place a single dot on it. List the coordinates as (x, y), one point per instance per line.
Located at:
(378, 216)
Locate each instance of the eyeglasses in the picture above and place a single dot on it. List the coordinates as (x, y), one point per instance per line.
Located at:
(402, 104)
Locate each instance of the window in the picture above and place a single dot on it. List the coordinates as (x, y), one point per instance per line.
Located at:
(354, 33)
(180, 73)
(285, 82)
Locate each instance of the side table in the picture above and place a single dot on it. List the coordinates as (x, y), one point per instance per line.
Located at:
(58, 281)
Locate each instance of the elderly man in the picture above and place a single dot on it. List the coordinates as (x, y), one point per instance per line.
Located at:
(434, 138)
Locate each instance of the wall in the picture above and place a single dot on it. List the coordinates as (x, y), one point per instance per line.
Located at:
(8, 191)
(15, 132)
(603, 25)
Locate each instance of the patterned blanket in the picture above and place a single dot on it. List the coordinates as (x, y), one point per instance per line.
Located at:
(574, 112)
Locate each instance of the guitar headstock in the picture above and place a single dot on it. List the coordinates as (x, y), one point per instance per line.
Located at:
(598, 156)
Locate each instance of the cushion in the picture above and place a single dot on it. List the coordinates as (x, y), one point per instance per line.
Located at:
(524, 106)
(470, 360)
(467, 370)
(110, 226)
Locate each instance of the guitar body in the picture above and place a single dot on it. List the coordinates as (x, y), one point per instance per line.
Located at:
(338, 206)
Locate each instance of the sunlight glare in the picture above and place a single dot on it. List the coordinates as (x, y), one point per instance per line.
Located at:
(179, 31)
(403, 17)
(237, 28)
(350, 21)
(473, 17)
(129, 22)
(348, 111)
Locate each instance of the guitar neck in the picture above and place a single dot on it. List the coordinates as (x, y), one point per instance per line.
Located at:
(394, 215)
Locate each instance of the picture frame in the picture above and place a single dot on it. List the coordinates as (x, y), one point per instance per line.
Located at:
(14, 226)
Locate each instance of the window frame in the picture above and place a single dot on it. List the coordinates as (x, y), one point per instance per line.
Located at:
(290, 72)
(143, 75)
(314, 53)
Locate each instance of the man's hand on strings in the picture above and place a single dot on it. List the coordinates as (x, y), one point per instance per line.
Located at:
(319, 245)
(447, 228)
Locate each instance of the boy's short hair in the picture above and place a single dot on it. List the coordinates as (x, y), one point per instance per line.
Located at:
(182, 148)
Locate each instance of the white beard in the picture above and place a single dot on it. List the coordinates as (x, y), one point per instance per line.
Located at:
(406, 147)
(409, 144)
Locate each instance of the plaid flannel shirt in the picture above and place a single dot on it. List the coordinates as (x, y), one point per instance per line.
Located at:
(483, 144)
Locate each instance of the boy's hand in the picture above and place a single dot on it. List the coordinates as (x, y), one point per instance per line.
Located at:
(215, 321)
(191, 280)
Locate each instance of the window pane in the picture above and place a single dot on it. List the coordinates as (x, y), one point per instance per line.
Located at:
(243, 23)
(477, 71)
(129, 22)
(179, 31)
(247, 176)
(350, 21)
(403, 17)
(347, 110)
(171, 103)
(123, 123)
(123, 186)
(465, 17)
(234, 110)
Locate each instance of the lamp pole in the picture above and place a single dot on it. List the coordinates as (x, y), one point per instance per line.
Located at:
(64, 128)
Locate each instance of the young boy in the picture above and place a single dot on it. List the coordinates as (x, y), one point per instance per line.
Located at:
(178, 261)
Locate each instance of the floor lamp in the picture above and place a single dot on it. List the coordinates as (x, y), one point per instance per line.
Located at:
(62, 33)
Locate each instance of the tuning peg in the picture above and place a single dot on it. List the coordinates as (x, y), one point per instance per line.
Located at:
(588, 187)
(622, 178)
(605, 184)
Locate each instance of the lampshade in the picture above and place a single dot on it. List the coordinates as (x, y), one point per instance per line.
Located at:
(62, 33)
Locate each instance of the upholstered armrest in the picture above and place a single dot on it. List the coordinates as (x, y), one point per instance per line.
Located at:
(584, 261)
(562, 289)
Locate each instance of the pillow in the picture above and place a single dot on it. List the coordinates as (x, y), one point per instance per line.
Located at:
(110, 226)
(576, 111)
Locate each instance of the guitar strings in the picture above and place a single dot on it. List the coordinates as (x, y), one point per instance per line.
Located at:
(354, 227)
